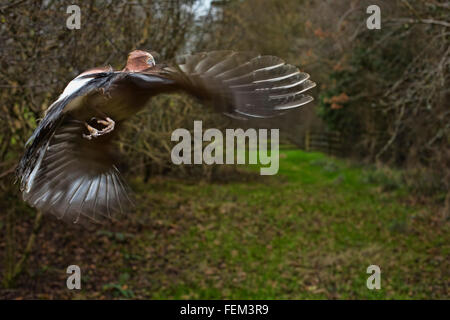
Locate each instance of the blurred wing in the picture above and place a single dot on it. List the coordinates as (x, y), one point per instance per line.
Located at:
(241, 84)
(69, 176)
(54, 115)
(75, 179)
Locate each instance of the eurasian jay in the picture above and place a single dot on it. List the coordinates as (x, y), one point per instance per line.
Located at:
(68, 168)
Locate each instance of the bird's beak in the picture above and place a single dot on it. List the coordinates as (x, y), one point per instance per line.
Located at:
(151, 61)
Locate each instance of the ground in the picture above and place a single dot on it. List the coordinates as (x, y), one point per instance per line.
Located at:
(309, 232)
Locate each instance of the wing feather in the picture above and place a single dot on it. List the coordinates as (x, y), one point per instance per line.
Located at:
(242, 85)
(74, 177)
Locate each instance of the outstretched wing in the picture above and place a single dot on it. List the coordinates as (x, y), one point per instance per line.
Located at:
(75, 179)
(69, 176)
(54, 115)
(242, 85)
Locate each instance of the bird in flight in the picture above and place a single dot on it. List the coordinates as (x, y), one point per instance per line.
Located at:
(68, 167)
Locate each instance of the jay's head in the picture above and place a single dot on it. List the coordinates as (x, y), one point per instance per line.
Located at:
(139, 60)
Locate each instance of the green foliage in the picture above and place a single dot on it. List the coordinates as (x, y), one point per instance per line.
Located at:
(385, 89)
(364, 79)
(345, 118)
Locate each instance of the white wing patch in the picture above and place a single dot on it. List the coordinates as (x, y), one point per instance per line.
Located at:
(73, 86)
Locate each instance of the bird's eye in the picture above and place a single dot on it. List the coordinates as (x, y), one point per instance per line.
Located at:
(151, 61)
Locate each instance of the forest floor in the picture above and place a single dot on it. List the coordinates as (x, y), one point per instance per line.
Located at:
(309, 232)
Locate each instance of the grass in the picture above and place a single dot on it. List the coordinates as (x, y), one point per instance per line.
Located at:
(309, 232)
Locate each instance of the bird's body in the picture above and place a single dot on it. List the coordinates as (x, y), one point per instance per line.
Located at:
(118, 103)
(68, 168)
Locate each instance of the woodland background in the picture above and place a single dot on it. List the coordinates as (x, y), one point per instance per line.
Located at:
(381, 104)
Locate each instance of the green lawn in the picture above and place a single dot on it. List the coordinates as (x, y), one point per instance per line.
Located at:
(309, 232)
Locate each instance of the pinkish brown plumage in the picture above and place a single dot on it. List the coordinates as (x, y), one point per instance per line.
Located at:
(139, 61)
